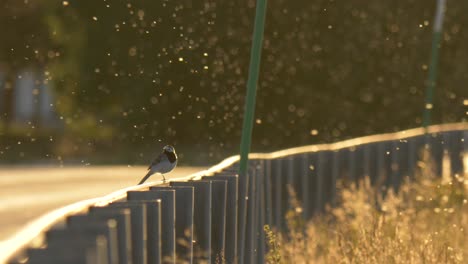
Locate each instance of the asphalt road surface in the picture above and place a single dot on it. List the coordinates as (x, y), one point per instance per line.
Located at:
(27, 193)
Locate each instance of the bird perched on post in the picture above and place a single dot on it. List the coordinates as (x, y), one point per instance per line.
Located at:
(164, 163)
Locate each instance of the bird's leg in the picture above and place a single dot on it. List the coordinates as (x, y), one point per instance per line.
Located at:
(164, 178)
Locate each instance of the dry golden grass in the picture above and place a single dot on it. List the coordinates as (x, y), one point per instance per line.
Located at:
(426, 222)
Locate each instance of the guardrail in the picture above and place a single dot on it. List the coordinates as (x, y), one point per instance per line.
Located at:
(216, 216)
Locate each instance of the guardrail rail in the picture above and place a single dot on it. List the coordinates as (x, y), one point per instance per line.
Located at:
(217, 216)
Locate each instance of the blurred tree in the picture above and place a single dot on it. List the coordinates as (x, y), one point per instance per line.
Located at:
(135, 73)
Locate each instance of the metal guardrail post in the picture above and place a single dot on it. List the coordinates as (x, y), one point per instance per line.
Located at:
(381, 153)
(403, 149)
(453, 144)
(291, 180)
(428, 145)
(412, 156)
(218, 220)
(61, 249)
(277, 183)
(153, 210)
(138, 229)
(327, 178)
(395, 170)
(319, 191)
(154, 231)
(373, 169)
(122, 216)
(168, 221)
(305, 177)
(437, 152)
(201, 219)
(250, 245)
(99, 256)
(242, 216)
(335, 175)
(387, 166)
(465, 141)
(359, 163)
(313, 165)
(422, 145)
(367, 160)
(352, 164)
(184, 197)
(82, 249)
(464, 151)
(261, 214)
(403, 157)
(268, 192)
(285, 201)
(415, 145)
(92, 226)
(290, 174)
(231, 216)
(455, 152)
(168, 205)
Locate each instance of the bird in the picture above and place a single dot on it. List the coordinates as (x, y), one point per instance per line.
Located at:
(164, 163)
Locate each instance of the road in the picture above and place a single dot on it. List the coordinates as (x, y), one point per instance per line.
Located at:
(27, 193)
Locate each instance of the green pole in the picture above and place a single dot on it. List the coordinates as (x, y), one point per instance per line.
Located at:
(254, 69)
(431, 81)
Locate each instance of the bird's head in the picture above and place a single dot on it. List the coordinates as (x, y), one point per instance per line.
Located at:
(169, 149)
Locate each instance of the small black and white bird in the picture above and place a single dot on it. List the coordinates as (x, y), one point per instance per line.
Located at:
(164, 163)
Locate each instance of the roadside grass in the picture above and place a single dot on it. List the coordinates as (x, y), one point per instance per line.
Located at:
(425, 222)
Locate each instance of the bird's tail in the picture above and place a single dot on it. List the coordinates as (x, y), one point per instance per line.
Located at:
(145, 178)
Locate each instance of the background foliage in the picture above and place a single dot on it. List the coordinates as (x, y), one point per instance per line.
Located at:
(130, 76)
